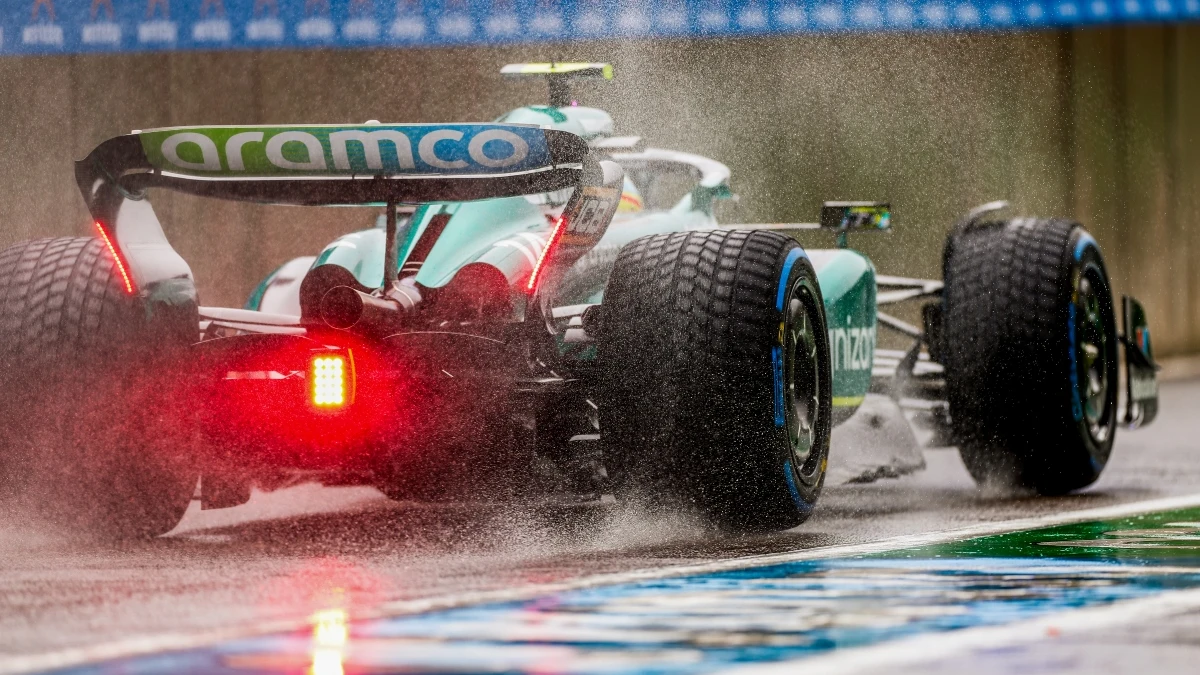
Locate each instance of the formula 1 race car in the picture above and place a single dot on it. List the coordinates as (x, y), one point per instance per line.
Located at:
(543, 309)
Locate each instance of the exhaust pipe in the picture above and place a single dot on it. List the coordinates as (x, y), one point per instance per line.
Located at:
(346, 308)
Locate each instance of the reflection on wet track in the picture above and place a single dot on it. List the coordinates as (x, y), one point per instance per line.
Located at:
(329, 580)
(329, 641)
(708, 622)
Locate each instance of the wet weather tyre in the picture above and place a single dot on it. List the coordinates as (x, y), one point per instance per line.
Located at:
(716, 395)
(1030, 354)
(89, 443)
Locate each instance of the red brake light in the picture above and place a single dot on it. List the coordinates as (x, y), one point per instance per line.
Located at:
(541, 261)
(116, 257)
(328, 376)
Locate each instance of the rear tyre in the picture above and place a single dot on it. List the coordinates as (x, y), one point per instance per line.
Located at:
(1030, 354)
(90, 441)
(716, 392)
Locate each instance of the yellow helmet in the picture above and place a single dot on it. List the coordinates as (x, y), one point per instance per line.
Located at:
(631, 199)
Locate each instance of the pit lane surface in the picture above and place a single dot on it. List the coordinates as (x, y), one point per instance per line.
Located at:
(292, 554)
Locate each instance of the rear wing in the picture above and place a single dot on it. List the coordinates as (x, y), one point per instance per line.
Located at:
(333, 164)
(307, 165)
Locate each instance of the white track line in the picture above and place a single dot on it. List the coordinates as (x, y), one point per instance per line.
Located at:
(930, 647)
(153, 644)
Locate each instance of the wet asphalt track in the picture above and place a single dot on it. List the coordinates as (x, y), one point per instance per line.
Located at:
(290, 554)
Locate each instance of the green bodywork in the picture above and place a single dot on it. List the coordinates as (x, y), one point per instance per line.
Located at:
(509, 233)
(847, 281)
(359, 252)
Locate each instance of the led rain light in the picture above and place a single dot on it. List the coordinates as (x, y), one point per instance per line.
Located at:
(537, 268)
(116, 258)
(328, 381)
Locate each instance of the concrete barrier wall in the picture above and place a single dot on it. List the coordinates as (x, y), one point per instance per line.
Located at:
(1103, 124)
(1135, 141)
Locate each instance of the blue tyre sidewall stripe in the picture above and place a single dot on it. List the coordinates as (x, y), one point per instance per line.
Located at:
(777, 352)
(789, 477)
(777, 372)
(793, 255)
(1085, 241)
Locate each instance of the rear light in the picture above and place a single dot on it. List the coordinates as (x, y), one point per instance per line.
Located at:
(329, 379)
(555, 234)
(128, 282)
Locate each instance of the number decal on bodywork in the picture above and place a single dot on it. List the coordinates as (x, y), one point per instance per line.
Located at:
(588, 223)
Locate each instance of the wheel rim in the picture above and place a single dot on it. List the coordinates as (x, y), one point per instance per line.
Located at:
(802, 390)
(1093, 351)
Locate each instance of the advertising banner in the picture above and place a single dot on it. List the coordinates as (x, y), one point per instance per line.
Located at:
(82, 26)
